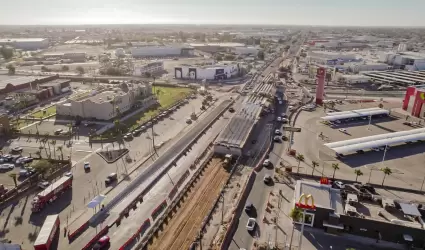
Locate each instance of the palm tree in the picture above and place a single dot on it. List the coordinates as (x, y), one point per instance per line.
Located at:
(358, 173)
(14, 176)
(314, 164)
(60, 148)
(387, 171)
(335, 166)
(299, 158)
(118, 111)
(117, 124)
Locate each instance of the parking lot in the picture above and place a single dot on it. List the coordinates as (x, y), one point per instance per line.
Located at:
(405, 161)
(13, 164)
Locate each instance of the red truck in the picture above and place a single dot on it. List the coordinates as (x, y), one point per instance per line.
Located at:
(51, 193)
(47, 232)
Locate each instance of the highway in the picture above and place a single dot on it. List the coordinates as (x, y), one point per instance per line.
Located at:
(73, 204)
(242, 239)
(120, 198)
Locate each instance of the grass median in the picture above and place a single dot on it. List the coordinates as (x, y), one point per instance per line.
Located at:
(45, 112)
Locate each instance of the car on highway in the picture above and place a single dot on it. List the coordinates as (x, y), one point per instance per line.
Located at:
(86, 167)
(249, 207)
(128, 136)
(279, 119)
(343, 130)
(111, 178)
(376, 149)
(266, 162)
(43, 184)
(277, 132)
(102, 243)
(267, 179)
(250, 225)
(276, 139)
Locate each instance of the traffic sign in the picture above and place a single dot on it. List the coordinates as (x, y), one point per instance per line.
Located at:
(292, 129)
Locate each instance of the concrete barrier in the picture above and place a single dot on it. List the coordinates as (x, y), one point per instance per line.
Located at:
(142, 229)
(73, 235)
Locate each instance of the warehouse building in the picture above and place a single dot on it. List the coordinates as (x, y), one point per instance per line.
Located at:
(410, 61)
(331, 58)
(161, 51)
(57, 86)
(72, 57)
(151, 68)
(25, 43)
(103, 105)
(13, 84)
(218, 47)
(207, 72)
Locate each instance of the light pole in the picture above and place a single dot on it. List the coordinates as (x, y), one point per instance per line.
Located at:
(385, 152)
(370, 120)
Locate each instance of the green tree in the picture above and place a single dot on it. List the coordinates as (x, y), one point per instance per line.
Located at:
(60, 148)
(314, 164)
(7, 53)
(260, 55)
(11, 69)
(42, 167)
(335, 166)
(296, 214)
(147, 74)
(65, 68)
(358, 173)
(80, 70)
(299, 158)
(387, 171)
(14, 176)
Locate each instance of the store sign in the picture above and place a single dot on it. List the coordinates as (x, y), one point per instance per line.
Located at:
(306, 201)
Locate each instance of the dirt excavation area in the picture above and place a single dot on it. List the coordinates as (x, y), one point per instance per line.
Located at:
(183, 224)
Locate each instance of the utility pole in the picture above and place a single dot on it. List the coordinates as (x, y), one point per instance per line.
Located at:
(153, 137)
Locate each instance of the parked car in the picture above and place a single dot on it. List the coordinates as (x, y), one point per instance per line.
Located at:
(58, 131)
(250, 225)
(231, 110)
(338, 184)
(266, 162)
(69, 174)
(276, 139)
(17, 149)
(343, 130)
(6, 166)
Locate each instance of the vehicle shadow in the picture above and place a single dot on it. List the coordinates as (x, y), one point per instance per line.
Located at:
(37, 219)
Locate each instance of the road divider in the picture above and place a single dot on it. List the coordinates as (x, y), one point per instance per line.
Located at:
(140, 232)
(73, 235)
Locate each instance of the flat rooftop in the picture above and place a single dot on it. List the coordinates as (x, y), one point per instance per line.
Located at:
(18, 80)
(240, 126)
(9, 40)
(324, 195)
(54, 82)
(218, 44)
(103, 96)
(406, 77)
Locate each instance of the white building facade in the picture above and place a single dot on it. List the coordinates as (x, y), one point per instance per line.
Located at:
(26, 43)
(161, 51)
(209, 72)
(407, 60)
(104, 105)
(151, 68)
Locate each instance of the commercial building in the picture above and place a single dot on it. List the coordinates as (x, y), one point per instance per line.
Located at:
(151, 68)
(14, 83)
(57, 86)
(331, 58)
(207, 72)
(161, 51)
(25, 43)
(410, 61)
(72, 57)
(351, 211)
(103, 105)
(218, 47)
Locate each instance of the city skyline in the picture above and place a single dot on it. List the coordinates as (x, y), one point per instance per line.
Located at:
(268, 12)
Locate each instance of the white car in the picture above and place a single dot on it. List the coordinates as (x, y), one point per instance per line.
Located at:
(342, 130)
(266, 162)
(43, 184)
(339, 184)
(250, 225)
(277, 132)
(6, 166)
(376, 149)
(279, 119)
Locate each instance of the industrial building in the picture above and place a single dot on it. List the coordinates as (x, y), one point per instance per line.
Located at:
(220, 47)
(57, 86)
(161, 51)
(25, 43)
(14, 83)
(151, 68)
(103, 105)
(400, 77)
(245, 50)
(331, 58)
(72, 57)
(410, 61)
(207, 72)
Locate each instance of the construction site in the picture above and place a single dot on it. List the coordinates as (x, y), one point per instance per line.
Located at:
(181, 228)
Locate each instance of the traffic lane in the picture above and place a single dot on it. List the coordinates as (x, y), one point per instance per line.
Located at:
(119, 235)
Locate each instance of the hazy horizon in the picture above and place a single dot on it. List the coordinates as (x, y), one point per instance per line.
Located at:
(376, 13)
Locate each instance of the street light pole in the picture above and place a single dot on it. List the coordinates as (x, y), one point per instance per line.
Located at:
(385, 152)
(370, 175)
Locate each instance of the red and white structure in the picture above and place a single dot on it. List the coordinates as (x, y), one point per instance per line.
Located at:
(47, 233)
(419, 92)
(320, 89)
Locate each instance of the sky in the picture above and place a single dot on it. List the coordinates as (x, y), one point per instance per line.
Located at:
(295, 12)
